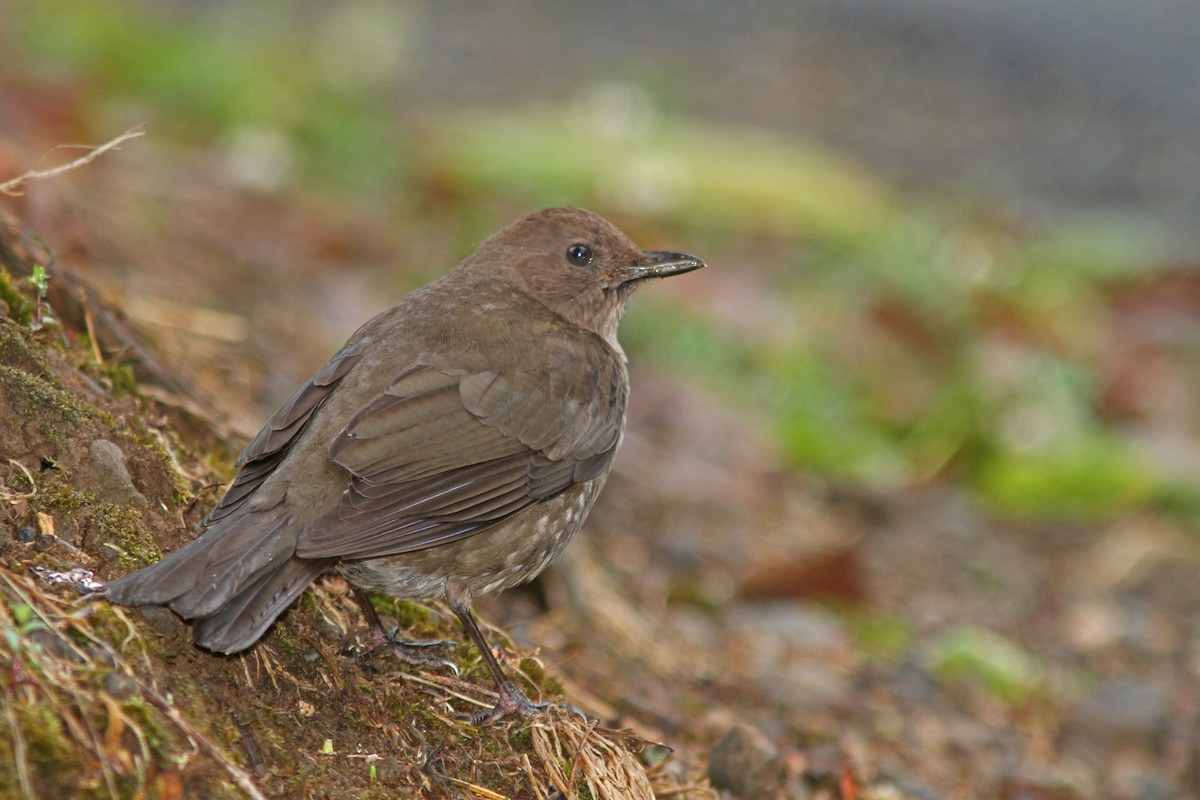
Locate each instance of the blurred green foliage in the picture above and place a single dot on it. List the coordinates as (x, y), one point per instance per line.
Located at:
(891, 339)
(997, 665)
(199, 73)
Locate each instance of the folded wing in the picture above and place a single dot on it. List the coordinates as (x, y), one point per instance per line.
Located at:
(447, 452)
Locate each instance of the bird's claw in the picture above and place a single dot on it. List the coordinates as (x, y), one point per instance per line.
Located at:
(408, 652)
(512, 701)
(381, 638)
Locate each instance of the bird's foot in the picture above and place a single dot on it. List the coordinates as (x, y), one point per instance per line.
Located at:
(381, 638)
(388, 643)
(512, 701)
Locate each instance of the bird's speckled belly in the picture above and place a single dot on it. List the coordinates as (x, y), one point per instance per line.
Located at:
(509, 554)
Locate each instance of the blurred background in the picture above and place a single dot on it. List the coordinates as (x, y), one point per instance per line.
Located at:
(923, 213)
(953, 251)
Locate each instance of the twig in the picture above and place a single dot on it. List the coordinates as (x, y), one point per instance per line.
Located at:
(91, 327)
(12, 187)
(240, 776)
(534, 783)
(18, 742)
(475, 789)
(440, 684)
(12, 497)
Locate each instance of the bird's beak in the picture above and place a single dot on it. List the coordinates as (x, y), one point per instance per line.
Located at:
(658, 264)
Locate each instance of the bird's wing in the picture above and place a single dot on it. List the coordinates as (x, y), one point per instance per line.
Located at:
(268, 448)
(446, 452)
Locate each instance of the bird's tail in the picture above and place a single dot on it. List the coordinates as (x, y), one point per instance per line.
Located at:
(235, 579)
(240, 622)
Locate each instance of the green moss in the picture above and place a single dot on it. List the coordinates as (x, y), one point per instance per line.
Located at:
(122, 526)
(409, 616)
(154, 446)
(122, 378)
(57, 495)
(36, 397)
(495, 748)
(470, 663)
(119, 376)
(52, 756)
(535, 673)
(532, 669)
(221, 461)
(12, 295)
(520, 739)
(418, 710)
(106, 625)
(290, 650)
(15, 349)
(150, 724)
(98, 521)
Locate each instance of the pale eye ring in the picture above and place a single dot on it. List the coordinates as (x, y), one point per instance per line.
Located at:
(580, 255)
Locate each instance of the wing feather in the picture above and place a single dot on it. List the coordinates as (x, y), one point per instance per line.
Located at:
(268, 449)
(444, 452)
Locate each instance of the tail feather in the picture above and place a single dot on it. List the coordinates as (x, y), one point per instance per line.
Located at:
(235, 579)
(231, 566)
(243, 619)
(196, 580)
(160, 584)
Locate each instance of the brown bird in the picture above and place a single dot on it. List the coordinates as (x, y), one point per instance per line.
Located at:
(452, 447)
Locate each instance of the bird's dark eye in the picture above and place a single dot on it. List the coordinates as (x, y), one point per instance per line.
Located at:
(580, 255)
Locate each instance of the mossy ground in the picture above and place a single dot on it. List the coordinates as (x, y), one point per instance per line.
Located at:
(98, 703)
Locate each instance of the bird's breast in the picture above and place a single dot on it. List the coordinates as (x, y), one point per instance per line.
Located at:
(506, 554)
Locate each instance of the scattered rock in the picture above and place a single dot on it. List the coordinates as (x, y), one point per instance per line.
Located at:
(162, 620)
(109, 552)
(121, 687)
(824, 764)
(747, 765)
(801, 627)
(1124, 708)
(103, 471)
(793, 651)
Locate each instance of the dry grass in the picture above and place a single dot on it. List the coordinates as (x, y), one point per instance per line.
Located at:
(84, 716)
(80, 721)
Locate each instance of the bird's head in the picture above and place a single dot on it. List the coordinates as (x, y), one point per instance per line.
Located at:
(575, 263)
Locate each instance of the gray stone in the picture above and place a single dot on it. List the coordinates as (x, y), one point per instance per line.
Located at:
(162, 620)
(104, 472)
(1124, 707)
(121, 687)
(747, 765)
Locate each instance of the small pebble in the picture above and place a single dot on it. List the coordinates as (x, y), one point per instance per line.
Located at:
(747, 765)
(121, 687)
(1124, 708)
(161, 620)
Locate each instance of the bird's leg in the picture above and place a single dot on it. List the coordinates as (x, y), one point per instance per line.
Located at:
(385, 641)
(512, 700)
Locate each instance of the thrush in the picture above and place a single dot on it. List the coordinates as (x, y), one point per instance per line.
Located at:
(452, 447)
